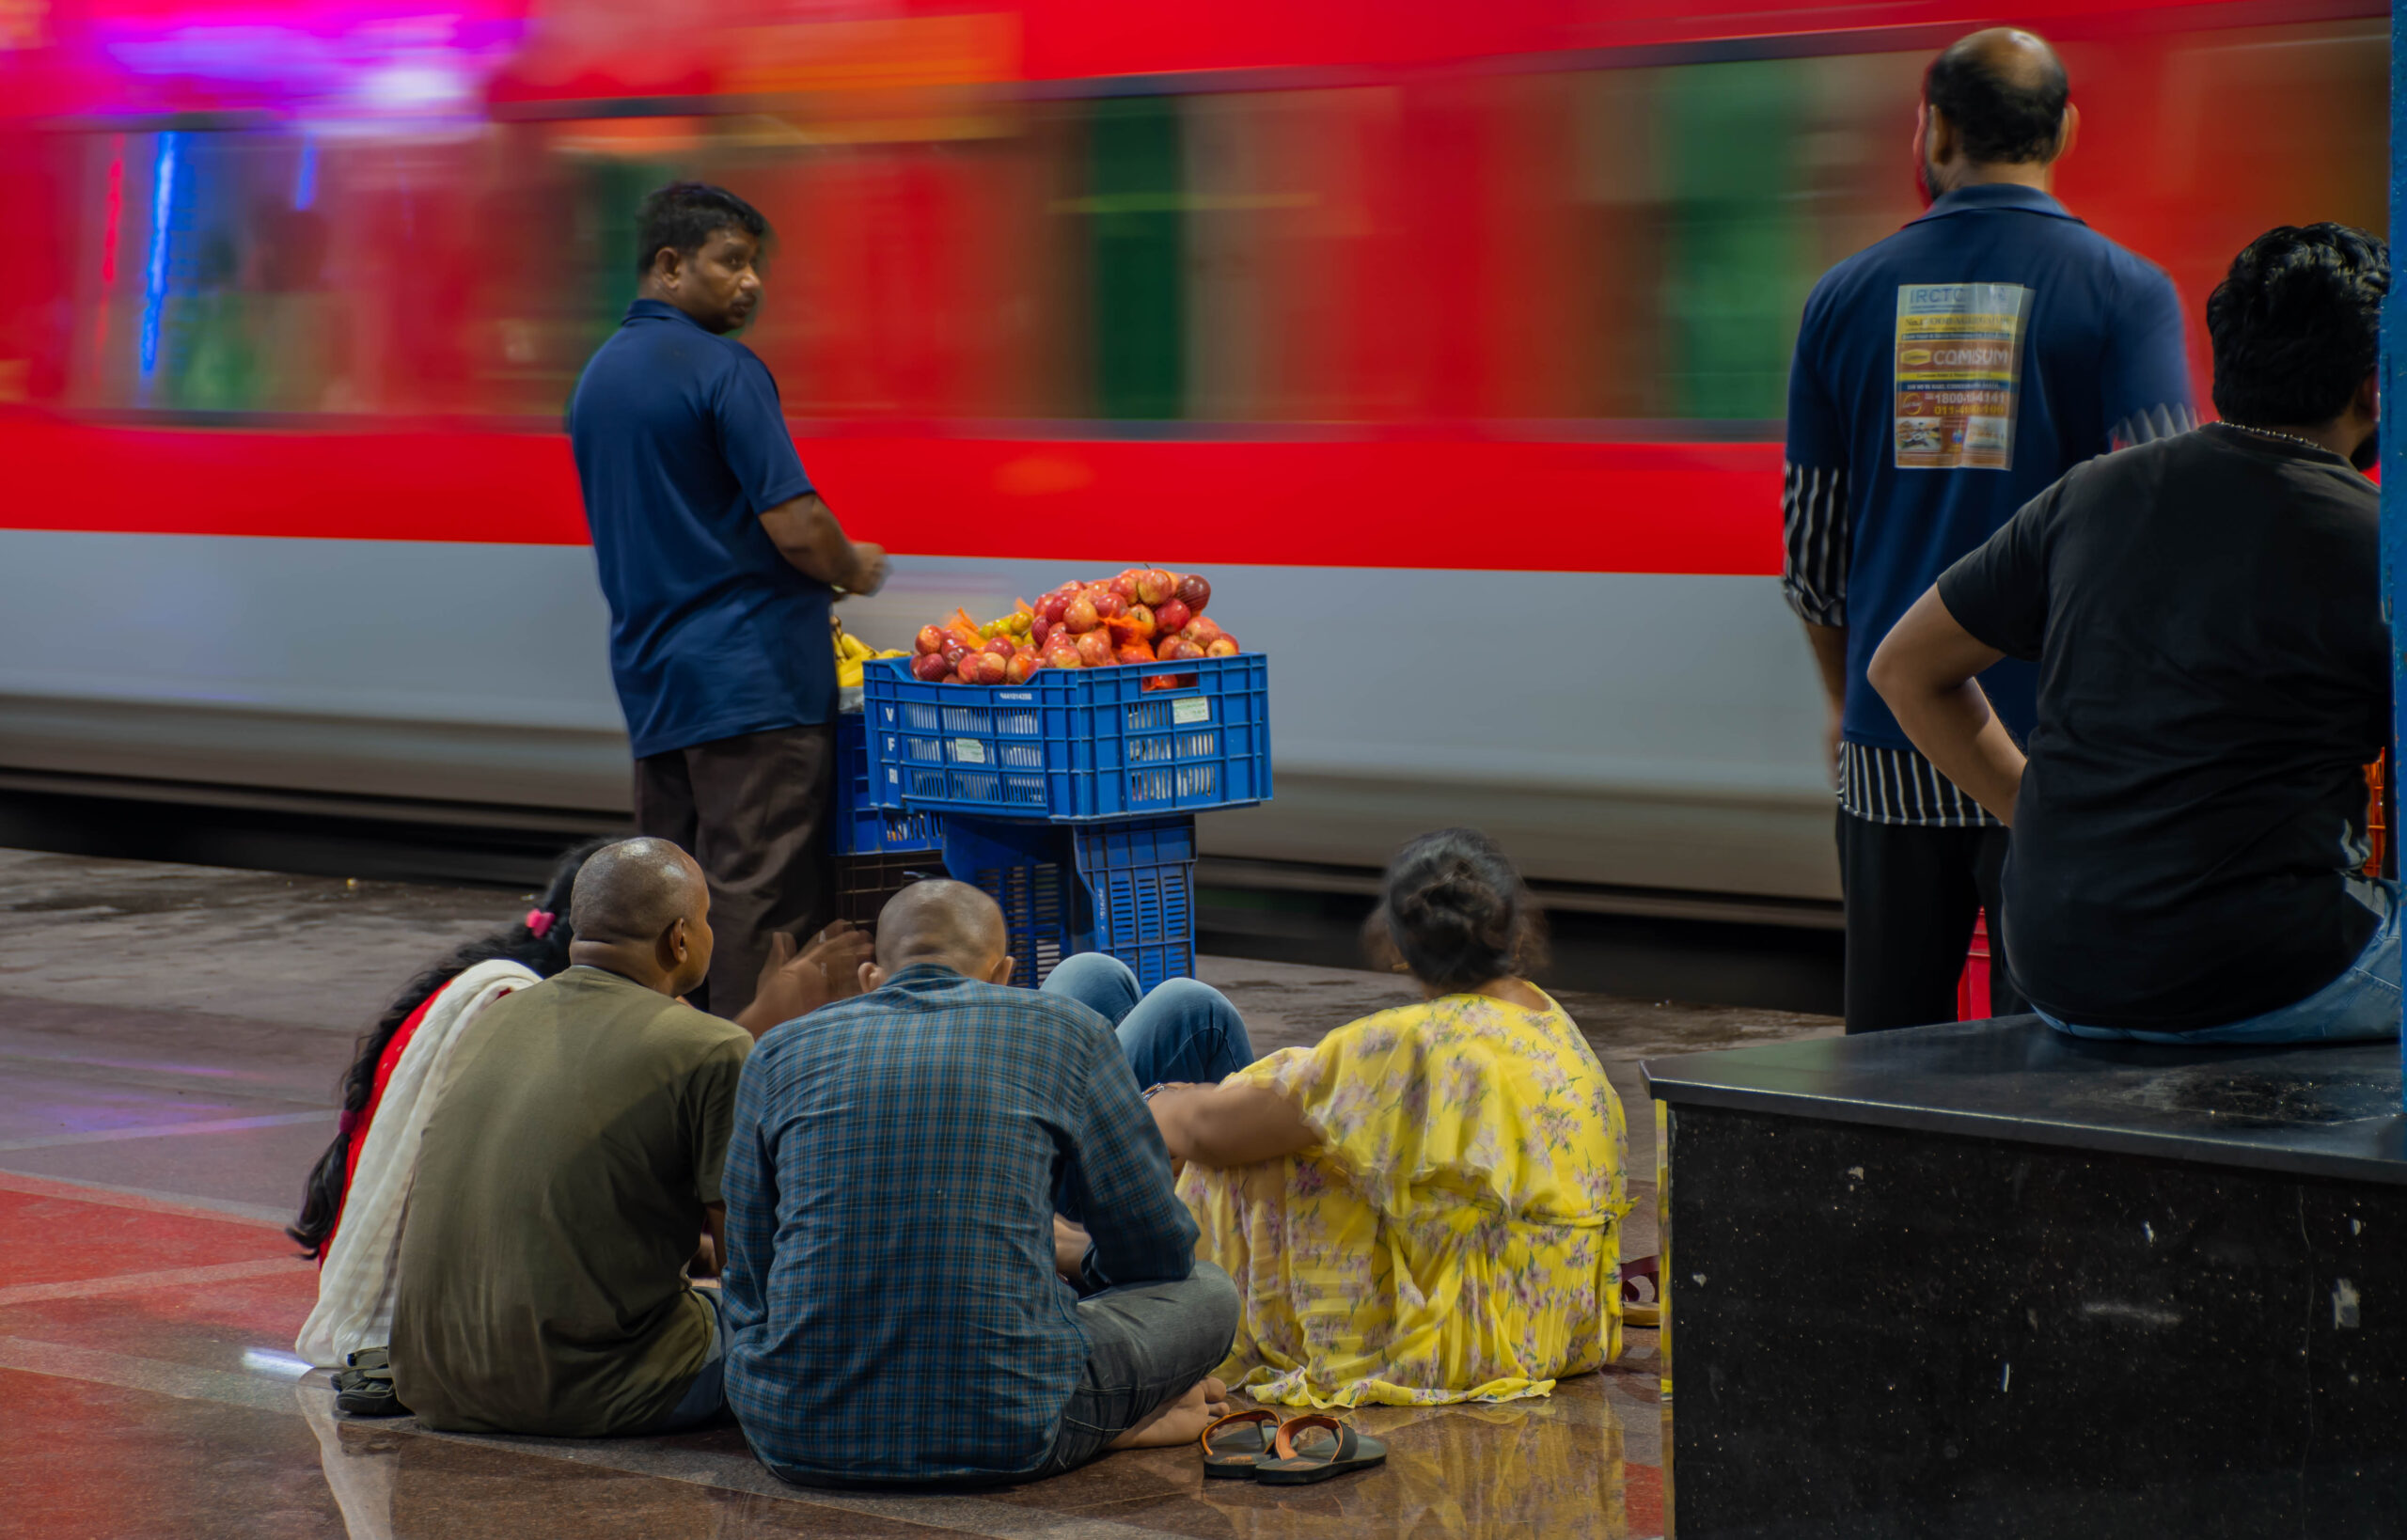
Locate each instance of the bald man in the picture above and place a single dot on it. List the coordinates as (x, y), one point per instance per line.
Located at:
(901, 1316)
(1944, 378)
(569, 1166)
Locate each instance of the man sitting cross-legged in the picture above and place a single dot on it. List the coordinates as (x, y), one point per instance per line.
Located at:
(2214, 672)
(899, 1310)
(571, 1166)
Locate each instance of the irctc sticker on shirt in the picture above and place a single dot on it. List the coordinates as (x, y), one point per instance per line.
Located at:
(1958, 368)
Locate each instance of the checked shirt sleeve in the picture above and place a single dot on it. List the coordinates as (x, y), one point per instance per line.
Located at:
(1121, 1177)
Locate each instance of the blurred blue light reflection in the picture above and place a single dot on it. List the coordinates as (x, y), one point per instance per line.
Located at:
(154, 273)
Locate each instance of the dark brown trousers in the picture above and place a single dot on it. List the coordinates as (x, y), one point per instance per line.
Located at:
(756, 812)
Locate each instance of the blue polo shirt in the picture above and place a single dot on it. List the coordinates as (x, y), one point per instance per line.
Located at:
(681, 445)
(1950, 373)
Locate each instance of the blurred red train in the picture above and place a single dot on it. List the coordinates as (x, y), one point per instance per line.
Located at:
(1450, 338)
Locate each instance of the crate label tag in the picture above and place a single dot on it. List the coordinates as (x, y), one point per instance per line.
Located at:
(1190, 708)
(968, 751)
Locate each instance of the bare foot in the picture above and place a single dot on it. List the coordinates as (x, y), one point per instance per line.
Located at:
(1179, 1422)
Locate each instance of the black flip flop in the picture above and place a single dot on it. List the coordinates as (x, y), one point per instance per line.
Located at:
(1347, 1451)
(1235, 1444)
(365, 1388)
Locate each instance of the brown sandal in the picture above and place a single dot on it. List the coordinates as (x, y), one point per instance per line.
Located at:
(1349, 1451)
(1634, 1312)
(1240, 1447)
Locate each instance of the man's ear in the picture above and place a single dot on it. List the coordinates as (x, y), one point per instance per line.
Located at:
(667, 264)
(1001, 972)
(674, 945)
(2067, 134)
(1938, 136)
(873, 977)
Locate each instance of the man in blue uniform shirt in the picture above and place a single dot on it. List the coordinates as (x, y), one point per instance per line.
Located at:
(719, 562)
(1942, 379)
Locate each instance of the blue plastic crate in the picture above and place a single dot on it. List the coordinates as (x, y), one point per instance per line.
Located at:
(1128, 888)
(863, 827)
(1073, 744)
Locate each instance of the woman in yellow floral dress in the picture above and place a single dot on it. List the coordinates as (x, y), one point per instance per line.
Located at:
(1426, 1206)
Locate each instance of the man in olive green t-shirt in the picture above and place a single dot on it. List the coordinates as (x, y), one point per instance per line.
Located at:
(572, 1165)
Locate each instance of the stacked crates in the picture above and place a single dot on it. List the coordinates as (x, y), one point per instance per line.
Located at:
(1071, 798)
(1126, 887)
(878, 851)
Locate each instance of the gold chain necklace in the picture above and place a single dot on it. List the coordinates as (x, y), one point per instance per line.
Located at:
(2270, 432)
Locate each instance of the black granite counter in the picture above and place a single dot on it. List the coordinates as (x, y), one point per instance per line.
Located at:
(2329, 1111)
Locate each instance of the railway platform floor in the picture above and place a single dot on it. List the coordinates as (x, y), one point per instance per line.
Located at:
(170, 1040)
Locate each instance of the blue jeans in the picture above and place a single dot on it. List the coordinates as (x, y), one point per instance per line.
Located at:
(705, 1400)
(2359, 1006)
(1182, 1031)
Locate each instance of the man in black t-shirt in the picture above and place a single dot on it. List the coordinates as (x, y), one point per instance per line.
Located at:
(2214, 672)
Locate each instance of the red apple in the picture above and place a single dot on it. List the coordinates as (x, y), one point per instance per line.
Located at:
(991, 669)
(931, 639)
(1080, 616)
(1135, 652)
(930, 667)
(954, 650)
(1094, 649)
(1139, 622)
(1156, 587)
(1038, 629)
(1126, 584)
(1194, 593)
(1171, 618)
(1049, 608)
(1111, 605)
(1021, 666)
(1223, 646)
(1002, 647)
(1177, 649)
(1203, 630)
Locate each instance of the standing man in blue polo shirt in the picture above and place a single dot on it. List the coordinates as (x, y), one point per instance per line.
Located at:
(719, 562)
(1942, 379)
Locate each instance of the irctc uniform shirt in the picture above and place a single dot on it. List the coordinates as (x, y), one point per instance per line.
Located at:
(891, 1288)
(681, 445)
(1942, 378)
(2214, 673)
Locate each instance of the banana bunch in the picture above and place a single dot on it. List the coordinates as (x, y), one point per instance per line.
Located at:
(851, 652)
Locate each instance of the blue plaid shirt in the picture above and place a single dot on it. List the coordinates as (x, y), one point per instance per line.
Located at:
(894, 1310)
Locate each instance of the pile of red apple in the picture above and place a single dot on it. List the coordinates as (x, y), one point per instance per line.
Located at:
(1143, 616)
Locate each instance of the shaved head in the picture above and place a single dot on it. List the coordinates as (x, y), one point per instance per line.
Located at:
(948, 923)
(2004, 92)
(634, 891)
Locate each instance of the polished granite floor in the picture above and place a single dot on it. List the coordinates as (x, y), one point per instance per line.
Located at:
(170, 1037)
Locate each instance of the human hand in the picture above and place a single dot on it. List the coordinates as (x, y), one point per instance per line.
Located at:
(791, 984)
(869, 569)
(1069, 1249)
(839, 951)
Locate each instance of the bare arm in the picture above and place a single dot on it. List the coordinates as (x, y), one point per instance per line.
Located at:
(1924, 670)
(712, 1256)
(1230, 1124)
(813, 544)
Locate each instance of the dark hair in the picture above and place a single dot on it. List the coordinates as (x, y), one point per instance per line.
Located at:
(1454, 912)
(2001, 119)
(546, 954)
(2297, 323)
(684, 214)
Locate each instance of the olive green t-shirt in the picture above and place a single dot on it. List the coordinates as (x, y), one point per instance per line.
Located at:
(579, 1132)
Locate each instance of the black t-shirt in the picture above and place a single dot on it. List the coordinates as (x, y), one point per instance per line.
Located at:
(2214, 674)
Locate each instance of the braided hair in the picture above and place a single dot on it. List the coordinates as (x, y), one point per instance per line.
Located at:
(1454, 912)
(543, 953)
